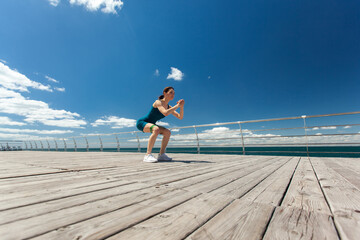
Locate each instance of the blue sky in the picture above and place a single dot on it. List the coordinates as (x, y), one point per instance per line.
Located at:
(71, 68)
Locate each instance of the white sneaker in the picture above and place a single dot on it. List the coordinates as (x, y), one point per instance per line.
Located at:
(164, 157)
(150, 158)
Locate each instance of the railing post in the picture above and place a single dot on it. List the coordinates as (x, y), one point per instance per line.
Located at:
(25, 145)
(48, 144)
(118, 144)
(31, 145)
(36, 145)
(306, 136)
(42, 146)
(101, 144)
(75, 147)
(64, 144)
(7, 146)
(56, 146)
(87, 144)
(138, 140)
(197, 139)
(242, 139)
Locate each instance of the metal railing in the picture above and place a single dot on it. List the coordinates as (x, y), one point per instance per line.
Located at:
(10, 145)
(242, 140)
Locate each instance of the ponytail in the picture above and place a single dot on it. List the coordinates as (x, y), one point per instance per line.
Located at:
(161, 97)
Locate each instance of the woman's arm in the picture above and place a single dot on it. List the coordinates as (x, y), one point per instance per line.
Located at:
(181, 112)
(164, 111)
(181, 115)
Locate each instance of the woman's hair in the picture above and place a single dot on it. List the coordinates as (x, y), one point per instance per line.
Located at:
(167, 89)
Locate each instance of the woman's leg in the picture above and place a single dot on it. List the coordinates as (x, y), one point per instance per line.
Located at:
(152, 139)
(166, 137)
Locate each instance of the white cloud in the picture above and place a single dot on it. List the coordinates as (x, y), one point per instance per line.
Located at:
(51, 79)
(12, 102)
(157, 73)
(67, 121)
(8, 121)
(8, 136)
(4, 93)
(12, 79)
(89, 134)
(11, 130)
(23, 137)
(328, 128)
(106, 6)
(60, 89)
(322, 128)
(162, 124)
(114, 122)
(217, 130)
(3, 61)
(347, 127)
(54, 2)
(175, 74)
(38, 111)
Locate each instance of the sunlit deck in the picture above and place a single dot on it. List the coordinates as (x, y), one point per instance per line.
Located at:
(63, 195)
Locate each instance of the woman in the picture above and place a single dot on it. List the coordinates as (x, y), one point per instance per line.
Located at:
(159, 110)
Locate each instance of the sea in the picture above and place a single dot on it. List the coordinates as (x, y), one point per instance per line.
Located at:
(314, 151)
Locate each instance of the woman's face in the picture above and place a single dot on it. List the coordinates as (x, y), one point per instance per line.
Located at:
(170, 94)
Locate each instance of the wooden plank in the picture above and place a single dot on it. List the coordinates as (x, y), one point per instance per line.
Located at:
(24, 184)
(33, 196)
(26, 171)
(45, 197)
(348, 224)
(105, 225)
(56, 204)
(298, 223)
(35, 226)
(117, 171)
(66, 197)
(272, 189)
(218, 176)
(169, 176)
(343, 198)
(223, 180)
(27, 183)
(347, 163)
(239, 187)
(304, 191)
(304, 213)
(177, 222)
(247, 219)
(239, 220)
(54, 187)
(347, 169)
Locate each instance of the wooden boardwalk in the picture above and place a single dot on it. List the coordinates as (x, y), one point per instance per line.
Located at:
(63, 195)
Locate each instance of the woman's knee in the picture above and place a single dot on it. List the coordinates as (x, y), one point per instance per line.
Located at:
(156, 130)
(166, 132)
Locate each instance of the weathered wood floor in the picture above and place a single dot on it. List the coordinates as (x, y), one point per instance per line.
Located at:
(54, 195)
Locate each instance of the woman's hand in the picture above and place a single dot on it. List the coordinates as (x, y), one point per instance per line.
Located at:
(181, 102)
